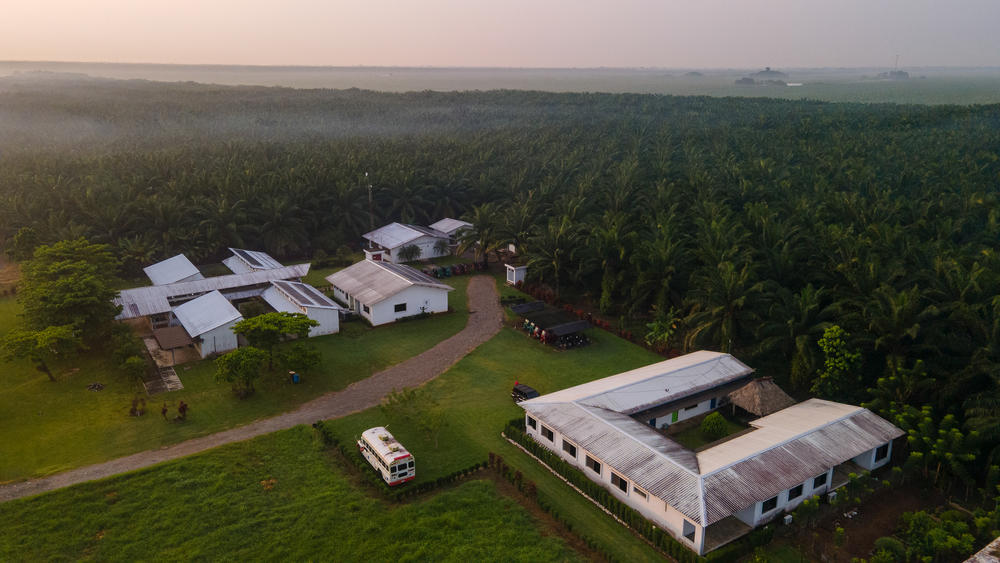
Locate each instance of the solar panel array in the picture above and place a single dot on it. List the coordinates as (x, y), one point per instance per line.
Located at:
(246, 256)
(304, 294)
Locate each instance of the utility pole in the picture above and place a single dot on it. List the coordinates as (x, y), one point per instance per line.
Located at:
(371, 213)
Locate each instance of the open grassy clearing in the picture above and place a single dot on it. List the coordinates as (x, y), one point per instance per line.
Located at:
(693, 439)
(473, 402)
(62, 425)
(277, 497)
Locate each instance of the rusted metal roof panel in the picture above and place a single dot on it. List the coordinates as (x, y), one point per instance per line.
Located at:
(765, 474)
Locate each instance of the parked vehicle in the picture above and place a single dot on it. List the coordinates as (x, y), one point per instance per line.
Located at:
(522, 392)
(387, 456)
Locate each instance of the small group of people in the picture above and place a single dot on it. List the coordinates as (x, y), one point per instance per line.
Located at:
(182, 409)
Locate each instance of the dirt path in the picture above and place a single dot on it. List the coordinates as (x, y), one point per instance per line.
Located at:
(485, 320)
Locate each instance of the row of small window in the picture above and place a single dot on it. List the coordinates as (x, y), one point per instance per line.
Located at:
(793, 493)
(593, 464)
(399, 308)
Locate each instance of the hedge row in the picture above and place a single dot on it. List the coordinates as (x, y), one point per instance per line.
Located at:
(350, 453)
(631, 517)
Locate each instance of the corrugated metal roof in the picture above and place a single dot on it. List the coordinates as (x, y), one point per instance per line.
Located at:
(255, 260)
(785, 449)
(654, 462)
(304, 295)
(449, 225)
(151, 300)
(371, 282)
(209, 311)
(395, 235)
(658, 383)
(813, 451)
(171, 270)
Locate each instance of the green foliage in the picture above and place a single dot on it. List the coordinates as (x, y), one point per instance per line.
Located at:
(408, 253)
(134, 367)
(660, 332)
(41, 346)
(240, 368)
(22, 245)
(441, 247)
(892, 547)
(69, 283)
(301, 357)
(714, 427)
(938, 448)
(940, 539)
(840, 376)
(267, 330)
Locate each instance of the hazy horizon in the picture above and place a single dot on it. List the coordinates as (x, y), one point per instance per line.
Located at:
(519, 34)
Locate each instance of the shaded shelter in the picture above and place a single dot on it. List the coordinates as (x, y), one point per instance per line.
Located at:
(761, 397)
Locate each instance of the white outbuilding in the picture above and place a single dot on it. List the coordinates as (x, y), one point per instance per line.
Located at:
(385, 243)
(172, 270)
(209, 321)
(451, 227)
(297, 297)
(383, 292)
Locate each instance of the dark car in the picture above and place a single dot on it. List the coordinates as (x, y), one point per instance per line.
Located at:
(522, 392)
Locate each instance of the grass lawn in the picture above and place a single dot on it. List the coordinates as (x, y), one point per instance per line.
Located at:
(473, 402)
(278, 497)
(692, 438)
(62, 425)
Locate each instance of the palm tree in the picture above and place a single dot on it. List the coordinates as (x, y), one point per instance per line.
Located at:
(552, 251)
(718, 299)
(791, 328)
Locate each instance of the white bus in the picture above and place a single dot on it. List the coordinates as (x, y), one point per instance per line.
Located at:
(387, 456)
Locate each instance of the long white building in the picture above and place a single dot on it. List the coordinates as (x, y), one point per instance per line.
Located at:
(611, 429)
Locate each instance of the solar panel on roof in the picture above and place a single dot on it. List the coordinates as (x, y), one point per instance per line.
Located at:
(246, 256)
(296, 294)
(318, 297)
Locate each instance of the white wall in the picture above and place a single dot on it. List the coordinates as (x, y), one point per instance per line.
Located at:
(433, 300)
(754, 516)
(426, 246)
(219, 340)
(655, 509)
(684, 414)
(328, 319)
(867, 459)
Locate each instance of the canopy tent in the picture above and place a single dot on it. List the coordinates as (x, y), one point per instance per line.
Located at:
(553, 321)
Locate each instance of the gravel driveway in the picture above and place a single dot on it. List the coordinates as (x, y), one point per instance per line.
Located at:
(485, 320)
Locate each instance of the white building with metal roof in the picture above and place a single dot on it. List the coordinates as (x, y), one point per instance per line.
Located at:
(605, 429)
(385, 242)
(246, 261)
(383, 292)
(209, 321)
(451, 227)
(298, 297)
(172, 270)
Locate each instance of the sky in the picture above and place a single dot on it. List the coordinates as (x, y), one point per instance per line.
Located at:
(507, 33)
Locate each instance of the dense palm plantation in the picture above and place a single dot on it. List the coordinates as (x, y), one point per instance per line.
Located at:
(751, 225)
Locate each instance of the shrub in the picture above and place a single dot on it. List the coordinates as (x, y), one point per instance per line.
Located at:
(714, 427)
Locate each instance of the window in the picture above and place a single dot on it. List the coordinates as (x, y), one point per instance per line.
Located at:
(819, 481)
(594, 465)
(400, 307)
(692, 407)
(689, 530)
(641, 493)
(548, 434)
(881, 452)
(619, 482)
(569, 448)
(532, 423)
(410, 465)
(769, 505)
(365, 308)
(795, 492)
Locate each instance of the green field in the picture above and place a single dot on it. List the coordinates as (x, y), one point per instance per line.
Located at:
(62, 425)
(278, 497)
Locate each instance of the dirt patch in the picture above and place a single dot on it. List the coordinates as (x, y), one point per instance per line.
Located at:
(10, 274)
(878, 516)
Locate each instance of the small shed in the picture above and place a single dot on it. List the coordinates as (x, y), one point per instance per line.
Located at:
(761, 397)
(209, 322)
(516, 274)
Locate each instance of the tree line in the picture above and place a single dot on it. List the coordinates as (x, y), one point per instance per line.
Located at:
(755, 226)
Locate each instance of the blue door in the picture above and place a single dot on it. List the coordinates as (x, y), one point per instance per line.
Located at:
(712, 405)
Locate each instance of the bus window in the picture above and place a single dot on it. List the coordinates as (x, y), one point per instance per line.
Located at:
(411, 464)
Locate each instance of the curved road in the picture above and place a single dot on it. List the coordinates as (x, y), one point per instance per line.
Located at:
(485, 320)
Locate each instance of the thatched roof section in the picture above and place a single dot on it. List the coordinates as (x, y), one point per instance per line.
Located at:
(761, 397)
